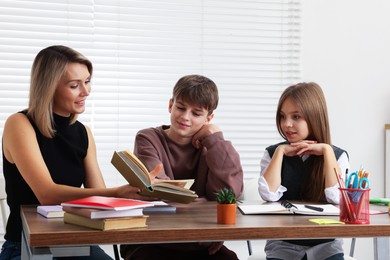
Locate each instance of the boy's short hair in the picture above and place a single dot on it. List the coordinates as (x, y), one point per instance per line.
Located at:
(197, 90)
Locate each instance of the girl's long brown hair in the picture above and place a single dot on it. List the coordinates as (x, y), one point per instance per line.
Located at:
(311, 102)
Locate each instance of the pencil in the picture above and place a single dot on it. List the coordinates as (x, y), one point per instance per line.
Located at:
(345, 197)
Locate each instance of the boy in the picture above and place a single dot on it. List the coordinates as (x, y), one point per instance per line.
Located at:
(190, 148)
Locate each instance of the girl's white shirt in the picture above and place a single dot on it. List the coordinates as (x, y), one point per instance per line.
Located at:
(331, 193)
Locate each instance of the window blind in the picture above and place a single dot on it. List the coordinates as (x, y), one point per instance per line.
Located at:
(141, 48)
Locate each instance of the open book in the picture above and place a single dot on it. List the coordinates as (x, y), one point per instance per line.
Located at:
(137, 175)
(285, 207)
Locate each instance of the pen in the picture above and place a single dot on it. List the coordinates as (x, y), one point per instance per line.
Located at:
(287, 204)
(314, 208)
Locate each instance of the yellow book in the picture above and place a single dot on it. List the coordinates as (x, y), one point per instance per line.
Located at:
(135, 172)
(106, 224)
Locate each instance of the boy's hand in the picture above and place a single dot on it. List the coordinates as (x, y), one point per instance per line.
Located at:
(153, 174)
(203, 132)
(215, 247)
(128, 191)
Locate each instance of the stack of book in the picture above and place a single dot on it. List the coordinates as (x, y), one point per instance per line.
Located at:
(106, 213)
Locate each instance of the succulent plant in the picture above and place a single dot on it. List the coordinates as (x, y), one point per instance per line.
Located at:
(226, 196)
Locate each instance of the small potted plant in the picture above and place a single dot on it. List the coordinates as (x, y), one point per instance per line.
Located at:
(226, 207)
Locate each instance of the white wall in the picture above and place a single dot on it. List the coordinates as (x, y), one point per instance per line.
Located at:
(346, 49)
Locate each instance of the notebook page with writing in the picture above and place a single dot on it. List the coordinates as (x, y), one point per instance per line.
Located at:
(277, 208)
(267, 208)
(328, 210)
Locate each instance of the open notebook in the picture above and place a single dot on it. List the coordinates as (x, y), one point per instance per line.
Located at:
(285, 207)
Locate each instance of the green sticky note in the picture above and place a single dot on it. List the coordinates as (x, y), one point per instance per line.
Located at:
(381, 201)
(325, 221)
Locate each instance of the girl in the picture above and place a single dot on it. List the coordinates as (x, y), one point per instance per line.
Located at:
(302, 167)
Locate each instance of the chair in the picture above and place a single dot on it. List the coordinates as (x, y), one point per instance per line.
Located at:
(3, 202)
(116, 252)
(261, 255)
(251, 193)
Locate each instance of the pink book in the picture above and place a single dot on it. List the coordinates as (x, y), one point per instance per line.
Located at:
(107, 203)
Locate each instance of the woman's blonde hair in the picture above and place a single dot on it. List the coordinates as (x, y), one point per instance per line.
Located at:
(310, 100)
(48, 68)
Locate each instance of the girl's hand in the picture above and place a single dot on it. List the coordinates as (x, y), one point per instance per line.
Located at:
(298, 148)
(288, 149)
(311, 148)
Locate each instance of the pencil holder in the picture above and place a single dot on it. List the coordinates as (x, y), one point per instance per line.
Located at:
(355, 206)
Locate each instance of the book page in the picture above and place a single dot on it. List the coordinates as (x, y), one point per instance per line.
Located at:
(296, 208)
(180, 183)
(137, 162)
(271, 208)
(328, 209)
(169, 185)
(173, 189)
(138, 171)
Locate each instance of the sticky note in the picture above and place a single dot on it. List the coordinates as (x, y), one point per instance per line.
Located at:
(325, 221)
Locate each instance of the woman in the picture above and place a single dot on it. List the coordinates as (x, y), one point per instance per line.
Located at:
(47, 154)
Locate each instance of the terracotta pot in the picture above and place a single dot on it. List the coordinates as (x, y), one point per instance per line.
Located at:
(226, 213)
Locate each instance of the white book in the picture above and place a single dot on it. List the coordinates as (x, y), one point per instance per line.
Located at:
(160, 207)
(103, 214)
(50, 211)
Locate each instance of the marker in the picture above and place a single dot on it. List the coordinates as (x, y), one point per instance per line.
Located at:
(314, 208)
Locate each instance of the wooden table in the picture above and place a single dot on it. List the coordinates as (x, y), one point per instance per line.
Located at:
(194, 222)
